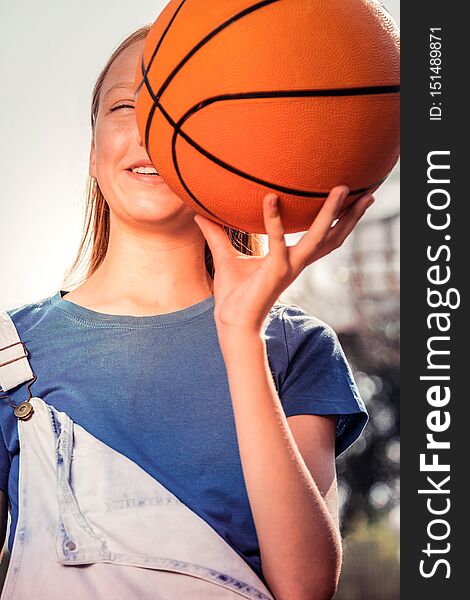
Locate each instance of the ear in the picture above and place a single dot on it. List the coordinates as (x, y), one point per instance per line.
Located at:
(92, 164)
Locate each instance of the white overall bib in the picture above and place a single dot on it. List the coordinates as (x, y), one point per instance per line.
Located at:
(93, 525)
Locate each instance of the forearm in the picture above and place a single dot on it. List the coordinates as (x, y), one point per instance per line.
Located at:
(299, 542)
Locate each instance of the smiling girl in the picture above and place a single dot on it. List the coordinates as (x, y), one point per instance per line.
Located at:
(183, 423)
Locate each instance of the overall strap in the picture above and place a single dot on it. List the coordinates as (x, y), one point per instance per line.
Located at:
(14, 364)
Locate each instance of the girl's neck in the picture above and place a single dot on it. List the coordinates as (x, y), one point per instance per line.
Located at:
(147, 274)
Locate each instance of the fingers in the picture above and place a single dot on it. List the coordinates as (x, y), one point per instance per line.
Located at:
(219, 243)
(313, 238)
(328, 213)
(338, 234)
(275, 230)
(321, 238)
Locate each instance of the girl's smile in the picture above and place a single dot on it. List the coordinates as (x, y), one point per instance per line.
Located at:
(145, 179)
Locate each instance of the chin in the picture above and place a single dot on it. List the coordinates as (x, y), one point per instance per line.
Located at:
(155, 209)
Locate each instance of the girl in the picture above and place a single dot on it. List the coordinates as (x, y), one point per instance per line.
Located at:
(179, 423)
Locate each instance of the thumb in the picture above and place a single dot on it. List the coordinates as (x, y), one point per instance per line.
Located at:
(219, 243)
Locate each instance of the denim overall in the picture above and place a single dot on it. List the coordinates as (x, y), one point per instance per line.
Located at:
(93, 525)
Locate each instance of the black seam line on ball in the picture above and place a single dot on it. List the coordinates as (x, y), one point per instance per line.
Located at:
(183, 182)
(208, 37)
(145, 69)
(276, 94)
(366, 90)
(308, 93)
(198, 46)
(370, 90)
(177, 132)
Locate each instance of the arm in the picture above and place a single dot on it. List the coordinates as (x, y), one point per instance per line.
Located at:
(315, 439)
(299, 540)
(294, 509)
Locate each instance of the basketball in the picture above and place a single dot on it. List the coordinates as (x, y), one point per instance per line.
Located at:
(236, 99)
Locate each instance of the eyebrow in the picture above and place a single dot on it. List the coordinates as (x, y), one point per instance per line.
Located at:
(123, 86)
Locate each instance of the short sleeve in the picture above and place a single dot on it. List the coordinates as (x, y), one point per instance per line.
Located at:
(318, 378)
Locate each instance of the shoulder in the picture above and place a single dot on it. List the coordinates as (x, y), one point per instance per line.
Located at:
(293, 336)
(312, 373)
(26, 316)
(294, 325)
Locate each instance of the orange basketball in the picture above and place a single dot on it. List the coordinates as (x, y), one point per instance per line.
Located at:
(237, 98)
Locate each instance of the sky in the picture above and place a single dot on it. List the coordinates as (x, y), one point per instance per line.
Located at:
(50, 55)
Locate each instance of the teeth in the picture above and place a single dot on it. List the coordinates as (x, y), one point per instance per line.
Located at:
(145, 170)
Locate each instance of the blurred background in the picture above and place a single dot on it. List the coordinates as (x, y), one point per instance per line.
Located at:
(50, 55)
(356, 290)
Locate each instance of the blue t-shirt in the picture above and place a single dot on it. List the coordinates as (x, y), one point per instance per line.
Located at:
(155, 389)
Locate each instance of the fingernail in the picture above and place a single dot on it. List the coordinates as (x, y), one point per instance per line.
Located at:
(344, 195)
(274, 202)
(371, 201)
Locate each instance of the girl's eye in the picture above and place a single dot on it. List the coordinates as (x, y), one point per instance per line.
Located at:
(121, 106)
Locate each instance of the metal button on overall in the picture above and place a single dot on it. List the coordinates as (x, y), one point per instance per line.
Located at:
(70, 545)
(24, 411)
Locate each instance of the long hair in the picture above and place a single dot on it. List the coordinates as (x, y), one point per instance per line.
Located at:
(97, 218)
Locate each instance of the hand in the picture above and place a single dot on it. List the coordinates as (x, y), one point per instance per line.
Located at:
(246, 287)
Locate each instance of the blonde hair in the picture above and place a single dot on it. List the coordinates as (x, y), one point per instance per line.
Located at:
(97, 218)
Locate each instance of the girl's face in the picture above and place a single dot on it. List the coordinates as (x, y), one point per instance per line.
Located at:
(117, 146)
